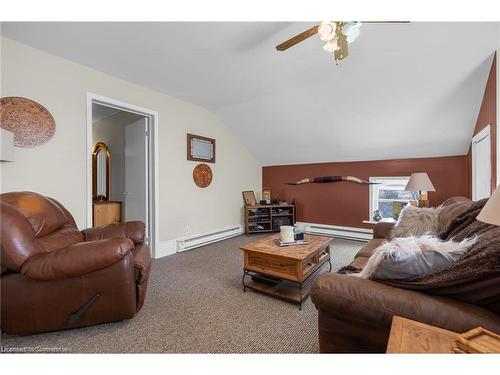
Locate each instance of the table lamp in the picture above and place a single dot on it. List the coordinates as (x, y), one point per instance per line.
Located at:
(491, 211)
(422, 183)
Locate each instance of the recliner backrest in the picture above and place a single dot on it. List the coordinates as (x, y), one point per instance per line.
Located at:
(32, 224)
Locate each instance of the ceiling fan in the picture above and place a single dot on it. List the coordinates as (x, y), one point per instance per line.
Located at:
(336, 34)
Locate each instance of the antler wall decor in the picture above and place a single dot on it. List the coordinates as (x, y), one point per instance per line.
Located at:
(332, 179)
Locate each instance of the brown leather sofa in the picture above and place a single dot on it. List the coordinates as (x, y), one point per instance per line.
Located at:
(55, 277)
(355, 315)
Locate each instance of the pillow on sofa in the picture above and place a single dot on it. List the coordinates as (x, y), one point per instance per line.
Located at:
(410, 257)
(416, 221)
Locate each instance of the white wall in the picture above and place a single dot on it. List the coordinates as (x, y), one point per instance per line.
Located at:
(111, 131)
(498, 113)
(58, 168)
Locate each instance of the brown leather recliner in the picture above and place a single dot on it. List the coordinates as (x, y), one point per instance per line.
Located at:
(56, 277)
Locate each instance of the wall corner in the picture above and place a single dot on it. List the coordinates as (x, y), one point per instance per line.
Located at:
(497, 83)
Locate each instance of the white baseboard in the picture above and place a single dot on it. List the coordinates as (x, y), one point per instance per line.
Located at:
(166, 248)
(191, 242)
(351, 233)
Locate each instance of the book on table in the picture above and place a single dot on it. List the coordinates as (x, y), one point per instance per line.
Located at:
(297, 242)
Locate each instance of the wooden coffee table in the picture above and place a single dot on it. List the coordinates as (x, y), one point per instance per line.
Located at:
(285, 272)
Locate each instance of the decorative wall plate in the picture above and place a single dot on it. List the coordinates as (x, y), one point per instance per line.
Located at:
(31, 123)
(202, 175)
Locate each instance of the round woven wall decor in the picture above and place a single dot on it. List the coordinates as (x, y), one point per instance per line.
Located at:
(31, 123)
(202, 175)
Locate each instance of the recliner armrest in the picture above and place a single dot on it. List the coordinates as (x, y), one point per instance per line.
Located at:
(77, 259)
(354, 299)
(133, 230)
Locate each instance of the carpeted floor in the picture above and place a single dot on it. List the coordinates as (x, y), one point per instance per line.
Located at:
(195, 304)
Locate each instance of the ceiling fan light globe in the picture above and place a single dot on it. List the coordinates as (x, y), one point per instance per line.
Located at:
(331, 46)
(326, 31)
(352, 31)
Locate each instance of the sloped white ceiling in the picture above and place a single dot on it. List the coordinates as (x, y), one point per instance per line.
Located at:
(407, 90)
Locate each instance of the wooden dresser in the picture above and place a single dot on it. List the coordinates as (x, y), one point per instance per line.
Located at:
(106, 212)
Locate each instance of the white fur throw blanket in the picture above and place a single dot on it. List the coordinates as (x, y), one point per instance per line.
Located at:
(408, 257)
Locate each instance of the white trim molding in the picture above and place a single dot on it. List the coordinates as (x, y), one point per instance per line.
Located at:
(153, 155)
(484, 133)
(166, 248)
(181, 244)
(350, 233)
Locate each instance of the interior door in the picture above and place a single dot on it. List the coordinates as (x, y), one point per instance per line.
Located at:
(481, 164)
(136, 172)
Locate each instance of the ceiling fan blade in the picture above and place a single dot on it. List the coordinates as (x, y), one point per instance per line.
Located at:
(297, 38)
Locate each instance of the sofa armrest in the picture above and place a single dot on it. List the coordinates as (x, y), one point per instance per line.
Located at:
(77, 259)
(354, 299)
(133, 230)
(382, 230)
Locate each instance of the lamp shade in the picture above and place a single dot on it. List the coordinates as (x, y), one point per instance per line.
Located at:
(491, 211)
(419, 182)
(6, 145)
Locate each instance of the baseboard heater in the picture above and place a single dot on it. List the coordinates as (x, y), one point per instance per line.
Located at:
(188, 243)
(350, 233)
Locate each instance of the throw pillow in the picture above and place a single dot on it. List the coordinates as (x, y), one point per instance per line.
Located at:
(416, 221)
(411, 257)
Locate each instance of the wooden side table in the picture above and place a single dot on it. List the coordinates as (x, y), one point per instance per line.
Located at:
(409, 336)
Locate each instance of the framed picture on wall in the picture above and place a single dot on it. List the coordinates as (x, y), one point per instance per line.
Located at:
(249, 198)
(200, 148)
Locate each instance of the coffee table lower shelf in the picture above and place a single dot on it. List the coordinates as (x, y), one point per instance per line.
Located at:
(291, 291)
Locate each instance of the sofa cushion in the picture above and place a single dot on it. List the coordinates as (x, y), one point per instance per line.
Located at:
(456, 199)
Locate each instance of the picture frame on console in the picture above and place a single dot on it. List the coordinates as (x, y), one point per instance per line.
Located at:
(249, 198)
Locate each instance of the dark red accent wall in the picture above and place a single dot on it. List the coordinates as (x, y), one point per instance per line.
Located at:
(487, 115)
(346, 203)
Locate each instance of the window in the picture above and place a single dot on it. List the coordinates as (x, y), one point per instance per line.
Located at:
(389, 196)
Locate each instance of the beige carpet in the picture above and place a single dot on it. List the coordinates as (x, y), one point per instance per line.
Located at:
(195, 304)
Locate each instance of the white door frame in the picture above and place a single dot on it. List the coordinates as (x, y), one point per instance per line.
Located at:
(482, 134)
(153, 152)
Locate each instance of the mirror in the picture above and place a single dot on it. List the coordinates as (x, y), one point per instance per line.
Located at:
(100, 172)
(200, 148)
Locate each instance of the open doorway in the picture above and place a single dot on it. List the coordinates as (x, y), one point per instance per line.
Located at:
(121, 173)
